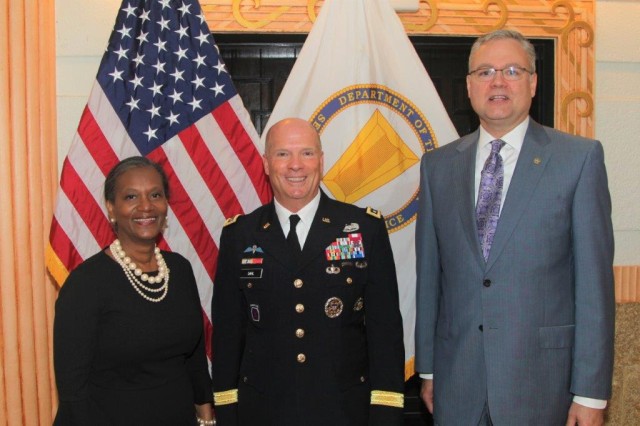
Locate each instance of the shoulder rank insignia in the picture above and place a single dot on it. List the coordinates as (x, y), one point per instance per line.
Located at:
(373, 212)
(231, 220)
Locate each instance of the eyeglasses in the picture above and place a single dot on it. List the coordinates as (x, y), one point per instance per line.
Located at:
(512, 73)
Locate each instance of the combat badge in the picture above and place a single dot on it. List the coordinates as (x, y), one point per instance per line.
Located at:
(333, 307)
(351, 227)
(253, 260)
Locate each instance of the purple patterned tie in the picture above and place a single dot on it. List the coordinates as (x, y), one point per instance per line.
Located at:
(490, 197)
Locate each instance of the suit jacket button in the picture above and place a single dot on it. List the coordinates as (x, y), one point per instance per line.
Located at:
(486, 283)
(298, 283)
(300, 333)
(301, 358)
(249, 285)
(480, 327)
(245, 379)
(299, 308)
(349, 280)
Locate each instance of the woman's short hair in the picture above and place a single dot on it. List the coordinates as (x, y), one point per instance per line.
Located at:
(126, 165)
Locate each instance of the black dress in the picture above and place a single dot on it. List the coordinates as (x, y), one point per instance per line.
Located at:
(123, 360)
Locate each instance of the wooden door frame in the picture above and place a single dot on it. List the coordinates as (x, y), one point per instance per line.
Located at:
(569, 23)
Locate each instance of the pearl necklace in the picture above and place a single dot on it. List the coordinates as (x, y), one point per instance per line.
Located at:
(132, 272)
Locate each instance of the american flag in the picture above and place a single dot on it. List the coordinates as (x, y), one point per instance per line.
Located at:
(162, 91)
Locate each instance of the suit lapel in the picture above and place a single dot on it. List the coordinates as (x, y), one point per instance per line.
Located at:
(465, 172)
(530, 166)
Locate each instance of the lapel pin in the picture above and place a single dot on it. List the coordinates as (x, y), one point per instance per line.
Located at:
(326, 220)
(537, 161)
(266, 225)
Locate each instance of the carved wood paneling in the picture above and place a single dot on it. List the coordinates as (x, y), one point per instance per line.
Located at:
(569, 23)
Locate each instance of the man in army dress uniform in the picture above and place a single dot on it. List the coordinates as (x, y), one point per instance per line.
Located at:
(307, 326)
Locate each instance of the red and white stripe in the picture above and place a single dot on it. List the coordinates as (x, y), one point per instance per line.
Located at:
(214, 169)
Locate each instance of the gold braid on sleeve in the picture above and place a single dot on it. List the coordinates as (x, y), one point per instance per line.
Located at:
(226, 397)
(390, 399)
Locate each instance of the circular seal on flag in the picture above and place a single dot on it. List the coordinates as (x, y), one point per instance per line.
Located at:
(379, 159)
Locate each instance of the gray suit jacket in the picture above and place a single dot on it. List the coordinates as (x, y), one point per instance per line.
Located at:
(534, 325)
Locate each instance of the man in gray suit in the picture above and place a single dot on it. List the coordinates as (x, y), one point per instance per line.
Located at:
(515, 295)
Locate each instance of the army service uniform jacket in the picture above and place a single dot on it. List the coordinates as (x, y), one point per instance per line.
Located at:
(313, 340)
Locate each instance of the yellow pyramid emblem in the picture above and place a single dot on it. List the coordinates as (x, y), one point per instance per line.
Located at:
(376, 157)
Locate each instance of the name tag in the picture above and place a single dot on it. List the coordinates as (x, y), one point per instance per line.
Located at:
(251, 273)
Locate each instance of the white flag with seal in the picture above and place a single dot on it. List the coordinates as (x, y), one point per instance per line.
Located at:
(361, 84)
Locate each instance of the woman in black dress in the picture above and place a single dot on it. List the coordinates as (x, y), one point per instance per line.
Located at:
(128, 333)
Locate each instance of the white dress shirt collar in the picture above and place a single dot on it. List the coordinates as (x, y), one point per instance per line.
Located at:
(307, 213)
(509, 153)
(514, 138)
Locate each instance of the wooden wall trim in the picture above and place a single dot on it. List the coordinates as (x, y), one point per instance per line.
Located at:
(627, 279)
(569, 23)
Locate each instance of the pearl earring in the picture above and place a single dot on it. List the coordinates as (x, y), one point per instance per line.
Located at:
(112, 220)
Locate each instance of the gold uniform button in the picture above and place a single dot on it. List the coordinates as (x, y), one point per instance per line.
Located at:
(249, 285)
(299, 308)
(298, 283)
(301, 358)
(299, 333)
(349, 280)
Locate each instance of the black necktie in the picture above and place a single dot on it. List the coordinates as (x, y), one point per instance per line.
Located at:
(292, 237)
